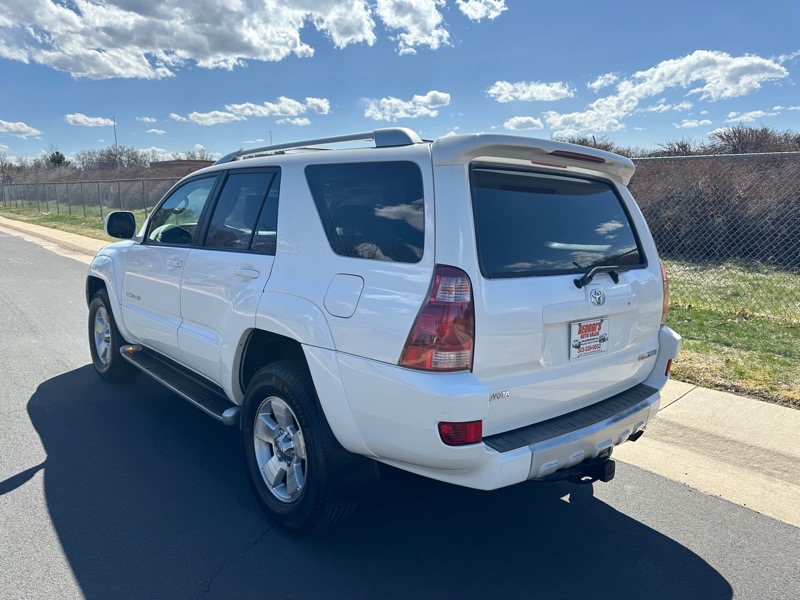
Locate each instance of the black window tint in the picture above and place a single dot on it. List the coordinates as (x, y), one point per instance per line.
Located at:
(237, 210)
(535, 224)
(371, 210)
(175, 220)
(265, 238)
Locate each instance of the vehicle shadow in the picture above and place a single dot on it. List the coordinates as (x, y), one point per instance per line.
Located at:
(149, 499)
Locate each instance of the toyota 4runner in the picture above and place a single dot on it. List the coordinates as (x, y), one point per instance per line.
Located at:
(480, 309)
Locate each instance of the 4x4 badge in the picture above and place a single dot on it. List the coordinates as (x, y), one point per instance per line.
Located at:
(597, 296)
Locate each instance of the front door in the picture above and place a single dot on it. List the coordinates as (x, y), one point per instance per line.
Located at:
(150, 298)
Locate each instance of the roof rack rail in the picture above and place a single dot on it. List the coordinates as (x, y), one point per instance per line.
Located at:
(384, 138)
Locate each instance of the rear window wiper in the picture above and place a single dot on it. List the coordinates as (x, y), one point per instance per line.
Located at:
(612, 269)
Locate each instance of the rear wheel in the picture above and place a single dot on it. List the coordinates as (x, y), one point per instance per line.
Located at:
(290, 451)
(105, 342)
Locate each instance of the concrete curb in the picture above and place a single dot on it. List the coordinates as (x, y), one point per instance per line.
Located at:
(70, 241)
(741, 449)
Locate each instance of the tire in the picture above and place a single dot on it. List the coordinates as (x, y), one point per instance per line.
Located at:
(105, 342)
(293, 460)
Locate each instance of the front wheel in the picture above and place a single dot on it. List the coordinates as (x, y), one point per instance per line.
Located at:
(105, 342)
(289, 450)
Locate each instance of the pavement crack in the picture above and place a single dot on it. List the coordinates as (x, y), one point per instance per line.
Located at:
(229, 560)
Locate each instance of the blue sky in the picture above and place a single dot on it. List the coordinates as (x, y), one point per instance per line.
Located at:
(178, 76)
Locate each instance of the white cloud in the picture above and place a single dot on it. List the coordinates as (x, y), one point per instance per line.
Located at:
(517, 123)
(148, 120)
(748, 117)
(711, 75)
(284, 107)
(662, 106)
(793, 108)
(603, 81)
(533, 91)
(475, 10)
(419, 21)
(18, 128)
(215, 117)
(691, 123)
(299, 121)
(321, 106)
(81, 120)
(97, 39)
(392, 109)
(156, 131)
(177, 117)
(3, 148)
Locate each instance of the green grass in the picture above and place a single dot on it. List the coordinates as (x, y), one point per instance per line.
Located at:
(741, 329)
(741, 325)
(730, 288)
(90, 225)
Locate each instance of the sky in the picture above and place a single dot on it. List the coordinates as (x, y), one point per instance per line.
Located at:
(172, 76)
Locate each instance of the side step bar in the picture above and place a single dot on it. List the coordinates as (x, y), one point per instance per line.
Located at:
(203, 394)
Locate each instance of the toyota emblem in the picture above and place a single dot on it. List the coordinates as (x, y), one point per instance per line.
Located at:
(597, 296)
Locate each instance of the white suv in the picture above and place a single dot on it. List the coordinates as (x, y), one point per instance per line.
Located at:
(481, 309)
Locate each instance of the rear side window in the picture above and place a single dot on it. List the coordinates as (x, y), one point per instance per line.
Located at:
(233, 222)
(371, 210)
(535, 224)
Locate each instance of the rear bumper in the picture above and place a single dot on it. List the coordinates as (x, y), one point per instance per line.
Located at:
(580, 435)
(396, 412)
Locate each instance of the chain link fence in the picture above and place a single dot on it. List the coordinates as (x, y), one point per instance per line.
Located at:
(87, 198)
(728, 226)
(728, 229)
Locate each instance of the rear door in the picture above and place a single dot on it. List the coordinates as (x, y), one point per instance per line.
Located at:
(223, 278)
(554, 342)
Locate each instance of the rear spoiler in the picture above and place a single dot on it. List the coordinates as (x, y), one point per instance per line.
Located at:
(460, 149)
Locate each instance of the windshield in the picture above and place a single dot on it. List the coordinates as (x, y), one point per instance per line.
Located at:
(529, 224)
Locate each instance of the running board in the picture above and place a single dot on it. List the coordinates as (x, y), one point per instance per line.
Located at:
(203, 394)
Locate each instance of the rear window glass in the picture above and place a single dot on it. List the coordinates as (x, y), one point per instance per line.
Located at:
(371, 210)
(534, 224)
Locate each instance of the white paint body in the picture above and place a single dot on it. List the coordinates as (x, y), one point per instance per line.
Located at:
(352, 317)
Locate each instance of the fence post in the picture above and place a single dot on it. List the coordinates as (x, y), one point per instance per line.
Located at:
(69, 201)
(99, 200)
(83, 201)
(119, 193)
(144, 198)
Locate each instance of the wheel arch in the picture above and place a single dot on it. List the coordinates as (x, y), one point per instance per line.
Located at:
(290, 327)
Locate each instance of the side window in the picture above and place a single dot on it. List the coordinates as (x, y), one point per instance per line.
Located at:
(174, 222)
(233, 222)
(266, 234)
(371, 210)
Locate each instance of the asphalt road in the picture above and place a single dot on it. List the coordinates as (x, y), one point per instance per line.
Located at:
(129, 492)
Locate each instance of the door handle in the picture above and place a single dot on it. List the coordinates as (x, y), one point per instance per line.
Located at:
(174, 262)
(247, 273)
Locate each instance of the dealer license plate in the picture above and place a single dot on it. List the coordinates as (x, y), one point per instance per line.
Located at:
(587, 338)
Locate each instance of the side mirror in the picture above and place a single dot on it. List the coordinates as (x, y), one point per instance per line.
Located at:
(120, 224)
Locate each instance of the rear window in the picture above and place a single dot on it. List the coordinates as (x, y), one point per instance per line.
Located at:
(371, 210)
(530, 223)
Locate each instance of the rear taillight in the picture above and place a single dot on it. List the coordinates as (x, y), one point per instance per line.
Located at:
(665, 283)
(443, 336)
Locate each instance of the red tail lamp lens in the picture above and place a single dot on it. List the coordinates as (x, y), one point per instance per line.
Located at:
(669, 368)
(461, 434)
(443, 335)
